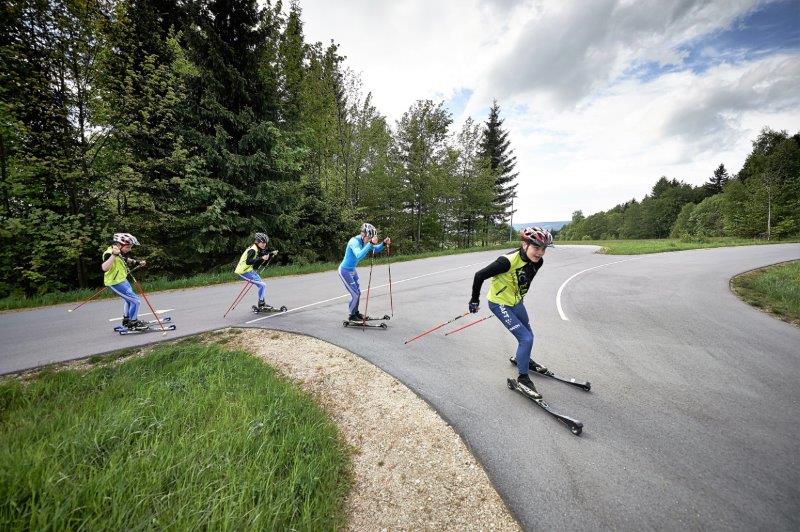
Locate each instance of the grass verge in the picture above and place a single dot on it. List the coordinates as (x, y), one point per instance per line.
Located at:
(164, 283)
(661, 245)
(775, 289)
(187, 437)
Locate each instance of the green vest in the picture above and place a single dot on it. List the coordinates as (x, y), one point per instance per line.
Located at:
(243, 267)
(118, 271)
(505, 289)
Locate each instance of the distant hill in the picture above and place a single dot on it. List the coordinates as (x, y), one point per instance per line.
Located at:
(552, 226)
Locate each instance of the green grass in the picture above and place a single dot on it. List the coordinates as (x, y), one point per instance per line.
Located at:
(775, 289)
(163, 283)
(187, 437)
(640, 247)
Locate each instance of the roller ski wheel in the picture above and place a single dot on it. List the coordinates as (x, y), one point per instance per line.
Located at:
(539, 370)
(575, 426)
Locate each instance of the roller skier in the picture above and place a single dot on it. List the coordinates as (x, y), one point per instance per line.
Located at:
(357, 249)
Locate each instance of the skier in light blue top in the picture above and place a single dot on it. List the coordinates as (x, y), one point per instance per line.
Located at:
(358, 247)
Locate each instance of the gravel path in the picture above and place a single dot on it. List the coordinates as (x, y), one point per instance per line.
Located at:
(412, 471)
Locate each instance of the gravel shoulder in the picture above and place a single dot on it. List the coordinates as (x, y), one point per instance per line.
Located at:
(411, 470)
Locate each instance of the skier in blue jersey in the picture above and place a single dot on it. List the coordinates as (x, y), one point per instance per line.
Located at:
(358, 247)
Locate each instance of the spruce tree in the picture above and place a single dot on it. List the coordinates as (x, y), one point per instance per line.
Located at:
(717, 182)
(495, 148)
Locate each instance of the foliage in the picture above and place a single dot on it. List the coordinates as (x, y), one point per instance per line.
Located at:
(194, 124)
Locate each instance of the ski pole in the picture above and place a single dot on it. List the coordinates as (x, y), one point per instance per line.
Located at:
(389, 260)
(139, 286)
(366, 305)
(470, 324)
(95, 294)
(448, 322)
(236, 299)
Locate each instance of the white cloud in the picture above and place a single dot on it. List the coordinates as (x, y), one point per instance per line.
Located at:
(587, 135)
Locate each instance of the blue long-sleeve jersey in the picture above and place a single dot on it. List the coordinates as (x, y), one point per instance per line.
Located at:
(357, 250)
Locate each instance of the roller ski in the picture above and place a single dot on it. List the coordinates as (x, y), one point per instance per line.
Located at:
(139, 326)
(528, 390)
(541, 370)
(263, 308)
(359, 320)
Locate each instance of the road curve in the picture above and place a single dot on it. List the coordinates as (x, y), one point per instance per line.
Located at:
(690, 422)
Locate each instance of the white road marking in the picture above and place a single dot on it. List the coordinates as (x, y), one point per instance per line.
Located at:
(146, 314)
(561, 288)
(348, 295)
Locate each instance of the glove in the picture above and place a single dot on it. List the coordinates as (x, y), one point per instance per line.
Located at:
(473, 306)
(273, 253)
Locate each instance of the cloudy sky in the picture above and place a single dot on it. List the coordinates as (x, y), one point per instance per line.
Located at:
(601, 97)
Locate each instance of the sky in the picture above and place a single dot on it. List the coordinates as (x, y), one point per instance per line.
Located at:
(600, 97)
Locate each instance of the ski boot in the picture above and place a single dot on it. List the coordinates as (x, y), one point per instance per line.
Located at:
(526, 386)
(356, 316)
(138, 325)
(538, 368)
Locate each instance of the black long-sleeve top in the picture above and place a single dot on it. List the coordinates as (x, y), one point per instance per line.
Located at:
(525, 274)
(254, 259)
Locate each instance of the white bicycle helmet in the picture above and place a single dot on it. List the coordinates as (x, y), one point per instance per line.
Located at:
(369, 230)
(537, 236)
(125, 239)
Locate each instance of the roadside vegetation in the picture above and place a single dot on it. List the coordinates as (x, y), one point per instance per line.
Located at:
(660, 245)
(187, 437)
(775, 289)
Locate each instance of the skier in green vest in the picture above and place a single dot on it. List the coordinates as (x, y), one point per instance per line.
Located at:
(511, 276)
(252, 259)
(115, 265)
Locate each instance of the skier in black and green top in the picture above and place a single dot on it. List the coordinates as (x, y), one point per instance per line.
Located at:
(511, 276)
(115, 267)
(251, 260)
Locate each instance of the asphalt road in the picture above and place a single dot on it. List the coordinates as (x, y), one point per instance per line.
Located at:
(691, 421)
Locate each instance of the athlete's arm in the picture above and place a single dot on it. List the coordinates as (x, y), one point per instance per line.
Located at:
(501, 265)
(360, 253)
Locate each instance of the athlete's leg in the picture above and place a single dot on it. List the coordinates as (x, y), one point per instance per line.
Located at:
(125, 291)
(515, 319)
(252, 277)
(350, 280)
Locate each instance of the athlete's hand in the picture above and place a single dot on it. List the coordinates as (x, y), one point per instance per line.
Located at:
(116, 249)
(387, 240)
(374, 240)
(273, 253)
(265, 257)
(142, 263)
(474, 306)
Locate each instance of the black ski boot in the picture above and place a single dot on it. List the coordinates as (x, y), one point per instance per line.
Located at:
(261, 304)
(138, 325)
(526, 386)
(532, 365)
(356, 316)
(126, 322)
(538, 368)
